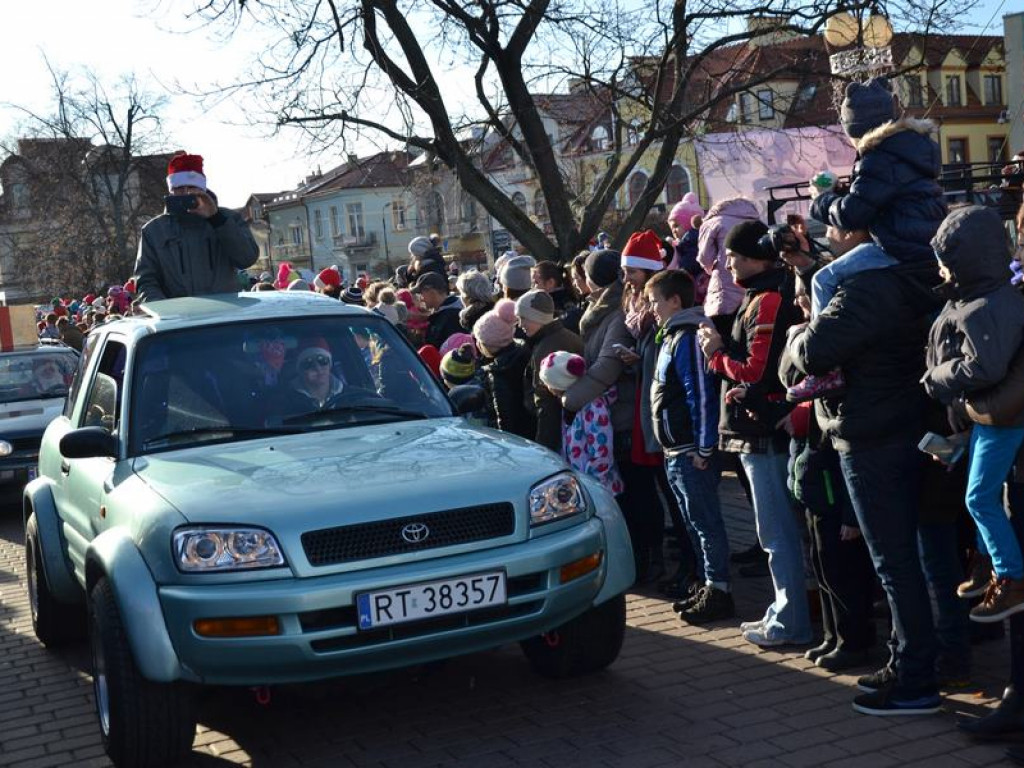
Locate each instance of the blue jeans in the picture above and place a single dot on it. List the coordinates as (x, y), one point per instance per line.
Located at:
(778, 531)
(697, 493)
(992, 452)
(940, 559)
(884, 484)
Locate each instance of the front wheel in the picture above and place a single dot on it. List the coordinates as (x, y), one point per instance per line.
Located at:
(586, 644)
(143, 723)
(56, 624)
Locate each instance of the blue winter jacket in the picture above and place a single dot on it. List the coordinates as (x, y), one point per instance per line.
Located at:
(895, 193)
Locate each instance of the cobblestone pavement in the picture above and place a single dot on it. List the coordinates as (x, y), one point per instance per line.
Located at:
(678, 695)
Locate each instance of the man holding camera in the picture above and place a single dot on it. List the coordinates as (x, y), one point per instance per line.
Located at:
(194, 248)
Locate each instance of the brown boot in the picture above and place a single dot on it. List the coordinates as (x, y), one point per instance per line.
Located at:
(1004, 597)
(979, 571)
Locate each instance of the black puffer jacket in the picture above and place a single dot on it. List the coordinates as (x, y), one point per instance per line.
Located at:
(979, 331)
(875, 330)
(503, 377)
(895, 193)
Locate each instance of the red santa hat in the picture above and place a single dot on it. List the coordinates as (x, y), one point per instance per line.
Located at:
(643, 251)
(328, 276)
(185, 170)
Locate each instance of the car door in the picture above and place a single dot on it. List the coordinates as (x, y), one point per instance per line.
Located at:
(85, 482)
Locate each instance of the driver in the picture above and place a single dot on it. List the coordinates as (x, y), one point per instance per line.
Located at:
(314, 384)
(47, 376)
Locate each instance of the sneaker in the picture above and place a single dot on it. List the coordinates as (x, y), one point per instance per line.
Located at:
(761, 638)
(696, 589)
(712, 605)
(1004, 597)
(813, 654)
(746, 626)
(812, 387)
(890, 700)
(979, 576)
(876, 681)
(751, 554)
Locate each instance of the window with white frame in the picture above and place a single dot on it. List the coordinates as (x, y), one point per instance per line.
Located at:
(296, 232)
(398, 215)
(540, 206)
(765, 104)
(318, 224)
(354, 212)
(953, 91)
(335, 223)
(676, 185)
(993, 86)
(637, 183)
(599, 138)
(519, 201)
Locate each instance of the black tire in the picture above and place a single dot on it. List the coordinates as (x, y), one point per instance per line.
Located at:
(142, 723)
(586, 644)
(56, 624)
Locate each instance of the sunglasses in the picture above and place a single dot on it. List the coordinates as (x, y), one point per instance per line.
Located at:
(316, 361)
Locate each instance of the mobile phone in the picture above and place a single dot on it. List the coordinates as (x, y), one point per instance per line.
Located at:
(949, 452)
(623, 348)
(176, 205)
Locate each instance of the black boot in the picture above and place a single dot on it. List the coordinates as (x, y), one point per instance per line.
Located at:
(1008, 718)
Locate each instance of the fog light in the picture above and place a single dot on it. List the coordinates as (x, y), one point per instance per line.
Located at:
(6, 449)
(245, 626)
(580, 567)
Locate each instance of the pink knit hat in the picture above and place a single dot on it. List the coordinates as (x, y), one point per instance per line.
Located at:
(683, 212)
(496, 329)
(456, 341)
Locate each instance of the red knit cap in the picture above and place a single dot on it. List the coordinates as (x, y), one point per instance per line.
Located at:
(185, 170)
(643, 251)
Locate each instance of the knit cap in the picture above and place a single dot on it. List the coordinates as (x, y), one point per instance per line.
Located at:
(537, 306)
(328, 276)
(643, 251)
(515, 275)
(744, 239)
(682, 213)
(602, 267)
(560, 370)
(458, 365)
(419, 246)
(353, 295)
(431, 357)
(496, 329)
(455, 341)
(867, 106)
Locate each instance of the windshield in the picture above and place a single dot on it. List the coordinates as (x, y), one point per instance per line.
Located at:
(36, 375)
(247, 380)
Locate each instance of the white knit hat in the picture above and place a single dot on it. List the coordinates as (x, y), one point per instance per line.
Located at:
(560, 370)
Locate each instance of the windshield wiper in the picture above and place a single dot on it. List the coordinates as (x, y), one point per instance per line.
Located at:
(226, 430)
(383, 409)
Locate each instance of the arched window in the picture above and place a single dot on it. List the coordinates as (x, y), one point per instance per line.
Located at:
(599, 138)
(540, 208)
(468, 208)
(637, 182)
(677, 184)
(634, 131)
(519, 200)
(435, 212)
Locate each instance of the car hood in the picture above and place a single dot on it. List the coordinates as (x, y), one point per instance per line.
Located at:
(335, 477)
(23, 417)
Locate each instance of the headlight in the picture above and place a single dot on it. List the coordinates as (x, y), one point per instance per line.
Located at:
(557, 497)
(6, 449)
(223, 549)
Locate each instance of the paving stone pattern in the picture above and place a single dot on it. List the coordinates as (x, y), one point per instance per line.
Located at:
(678, 695)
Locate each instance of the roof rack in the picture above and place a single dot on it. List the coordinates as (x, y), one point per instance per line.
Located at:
(973, 183)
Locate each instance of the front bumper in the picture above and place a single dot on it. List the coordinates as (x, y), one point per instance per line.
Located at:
(317, 617)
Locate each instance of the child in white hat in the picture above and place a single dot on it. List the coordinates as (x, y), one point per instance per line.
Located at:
(587, 441)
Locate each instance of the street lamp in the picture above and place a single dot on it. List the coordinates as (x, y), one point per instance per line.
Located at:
(384, 232)
(871, 54)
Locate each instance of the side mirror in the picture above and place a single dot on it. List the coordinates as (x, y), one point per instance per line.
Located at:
(467, 398)
(88, 443)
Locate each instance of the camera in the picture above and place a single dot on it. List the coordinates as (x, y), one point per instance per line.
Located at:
(178, 205)
(779, 239)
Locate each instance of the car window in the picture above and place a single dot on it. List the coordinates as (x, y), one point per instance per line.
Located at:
(242, 380)
(103, 405)
(76, 383)
(36, 375)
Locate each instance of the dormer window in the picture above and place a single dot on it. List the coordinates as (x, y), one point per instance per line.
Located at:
(915, 92)
(993, 86)
(599, 138)
(953, 91)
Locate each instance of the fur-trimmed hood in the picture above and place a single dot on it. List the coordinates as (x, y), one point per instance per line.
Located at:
(876, 136)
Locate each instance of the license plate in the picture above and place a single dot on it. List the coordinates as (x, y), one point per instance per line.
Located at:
(431, 598)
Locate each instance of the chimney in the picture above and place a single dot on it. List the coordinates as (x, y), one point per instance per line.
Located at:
(766, 30)
(352, 158)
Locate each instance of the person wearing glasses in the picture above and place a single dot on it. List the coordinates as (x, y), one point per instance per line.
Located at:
(314, 384)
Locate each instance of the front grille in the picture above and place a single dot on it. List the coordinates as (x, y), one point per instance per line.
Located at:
(365, 541)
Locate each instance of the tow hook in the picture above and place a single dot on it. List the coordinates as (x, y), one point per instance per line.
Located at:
(552, 639)
(262, 694)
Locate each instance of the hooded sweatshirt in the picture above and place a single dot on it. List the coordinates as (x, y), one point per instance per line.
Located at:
(980, 330)
(895, 194)
(723, 296)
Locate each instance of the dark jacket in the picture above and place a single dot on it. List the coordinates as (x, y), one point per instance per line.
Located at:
(546, 408)
(895, 193)
(473, 312)
(567, 309)
(978, 333)
(443, 322)
(503, 377)
(188, 255)
(875, 329)
(602, 327)
(750, 359)
(1003, 404)
(684, 254)
(684, 395)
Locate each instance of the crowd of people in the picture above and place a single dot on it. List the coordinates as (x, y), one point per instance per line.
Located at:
(868, 394)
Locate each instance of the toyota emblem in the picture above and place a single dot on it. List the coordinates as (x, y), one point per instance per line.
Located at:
(414, 533)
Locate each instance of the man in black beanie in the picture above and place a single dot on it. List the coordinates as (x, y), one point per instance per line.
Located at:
(753, 404)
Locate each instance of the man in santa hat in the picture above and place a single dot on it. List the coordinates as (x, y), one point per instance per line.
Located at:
(194, 248)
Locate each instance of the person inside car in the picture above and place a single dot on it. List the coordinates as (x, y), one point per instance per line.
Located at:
(314, 384)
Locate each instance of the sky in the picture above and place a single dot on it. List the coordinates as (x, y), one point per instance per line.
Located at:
(118, 37)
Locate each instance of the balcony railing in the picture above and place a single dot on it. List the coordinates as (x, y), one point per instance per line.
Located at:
(354, 242)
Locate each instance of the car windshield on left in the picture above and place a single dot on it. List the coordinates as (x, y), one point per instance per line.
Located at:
(35, 375)
(248, 380)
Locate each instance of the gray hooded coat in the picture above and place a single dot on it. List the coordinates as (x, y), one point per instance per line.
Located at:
(978, 333)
